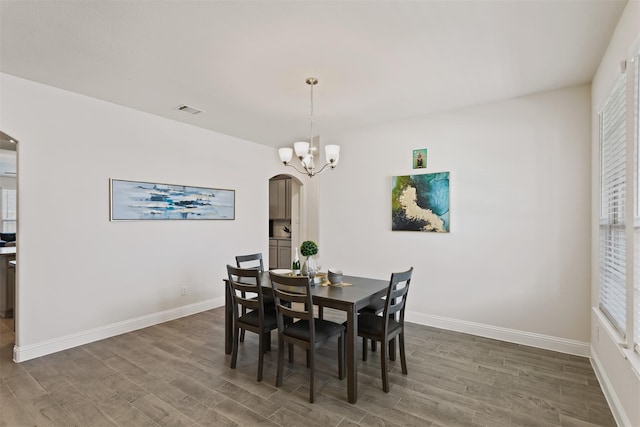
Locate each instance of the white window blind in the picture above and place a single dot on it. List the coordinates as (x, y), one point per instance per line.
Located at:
(613, 186)
(9, 210)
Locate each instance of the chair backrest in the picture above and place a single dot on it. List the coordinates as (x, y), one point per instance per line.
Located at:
(245, 287)
(250, 261)
(288, 290)
(397, 295)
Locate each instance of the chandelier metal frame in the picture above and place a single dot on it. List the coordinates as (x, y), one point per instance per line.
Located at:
(306, 151)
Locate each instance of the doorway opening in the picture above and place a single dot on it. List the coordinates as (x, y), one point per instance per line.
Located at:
(284, 220)
(8, 235)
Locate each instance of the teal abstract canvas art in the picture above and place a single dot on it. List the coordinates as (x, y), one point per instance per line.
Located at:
(420, 203)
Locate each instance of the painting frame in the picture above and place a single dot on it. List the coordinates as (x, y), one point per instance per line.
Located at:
(421, 202)
(131, 200)
(420, 158)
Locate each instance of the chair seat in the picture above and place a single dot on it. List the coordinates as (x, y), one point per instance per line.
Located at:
(371, 324)
(252, 318)
(324, 329)
(375, 307)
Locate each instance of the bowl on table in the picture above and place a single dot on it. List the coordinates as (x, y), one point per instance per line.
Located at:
(335, 276)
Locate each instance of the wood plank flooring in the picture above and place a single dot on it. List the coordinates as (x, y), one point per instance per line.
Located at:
(176, 374)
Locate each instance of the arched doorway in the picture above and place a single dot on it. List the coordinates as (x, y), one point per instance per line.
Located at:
(286, 222)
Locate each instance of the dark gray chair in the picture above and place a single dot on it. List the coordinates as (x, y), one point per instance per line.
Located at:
(250, 261)
(298, 326)
(389, 325)
(375, 307)
(246, 293)
(253, 261)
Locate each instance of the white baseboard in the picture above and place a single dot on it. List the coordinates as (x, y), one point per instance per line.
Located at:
(31, 351)
(23, 353)
(609, 392)
(547, 342)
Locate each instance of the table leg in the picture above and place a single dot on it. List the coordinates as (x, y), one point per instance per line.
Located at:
(228, 319)
(352, 372)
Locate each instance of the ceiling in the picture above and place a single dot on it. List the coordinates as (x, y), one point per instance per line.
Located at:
(245, 62)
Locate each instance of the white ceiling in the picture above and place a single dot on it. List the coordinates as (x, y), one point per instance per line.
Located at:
(245, 63)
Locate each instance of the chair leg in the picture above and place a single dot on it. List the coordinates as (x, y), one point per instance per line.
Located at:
(403, 359)
(383, 364)
(234, 351)
(261, 351)
(341, 357)
(308, 359)
(392, 349)
(374, 345)
(267, 341)
(364, 349)
(280, 361)
(244, 311)
(312, 372)
(290, 353)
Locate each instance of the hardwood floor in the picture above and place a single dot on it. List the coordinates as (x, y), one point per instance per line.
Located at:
(176, 374)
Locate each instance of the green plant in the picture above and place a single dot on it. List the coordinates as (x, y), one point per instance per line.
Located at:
(308, 248)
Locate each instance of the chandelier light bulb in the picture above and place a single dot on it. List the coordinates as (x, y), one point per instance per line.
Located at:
(285, 155)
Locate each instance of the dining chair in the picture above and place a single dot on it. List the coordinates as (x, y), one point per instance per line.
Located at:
(375, 307)
(253, 261)
(246, 293)
(390, 325)
(250, 261)
(298, 326)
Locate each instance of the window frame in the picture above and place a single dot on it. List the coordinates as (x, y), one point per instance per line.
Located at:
(628, 333)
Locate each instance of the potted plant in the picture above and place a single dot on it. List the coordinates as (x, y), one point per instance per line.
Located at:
(308, 249)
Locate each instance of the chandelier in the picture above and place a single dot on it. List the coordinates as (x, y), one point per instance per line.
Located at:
(306, 151)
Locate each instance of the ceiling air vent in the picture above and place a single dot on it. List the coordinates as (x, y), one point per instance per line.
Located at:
(188, 109)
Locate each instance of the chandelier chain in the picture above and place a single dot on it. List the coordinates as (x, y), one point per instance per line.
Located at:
(312, 83)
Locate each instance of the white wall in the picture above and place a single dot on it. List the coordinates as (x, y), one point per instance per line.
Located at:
(515, 265)
(81, 277)
(620, 382)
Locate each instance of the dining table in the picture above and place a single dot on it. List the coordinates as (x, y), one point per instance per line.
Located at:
(358, 293)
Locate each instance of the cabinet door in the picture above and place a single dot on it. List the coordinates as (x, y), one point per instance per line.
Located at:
(282, 198)
(273, 199)
(287, 198)
(278, 199)
(284, 255)
(273, 256)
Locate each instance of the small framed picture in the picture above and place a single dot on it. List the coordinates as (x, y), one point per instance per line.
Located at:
(420, 158)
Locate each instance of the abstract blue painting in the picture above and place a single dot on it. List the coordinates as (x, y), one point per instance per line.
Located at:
(420, 202)
(135, 200)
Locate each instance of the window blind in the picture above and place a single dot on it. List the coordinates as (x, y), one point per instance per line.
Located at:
(613, 185)
(9, 210)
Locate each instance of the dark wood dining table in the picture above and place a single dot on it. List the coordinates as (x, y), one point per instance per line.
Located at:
(349, 299)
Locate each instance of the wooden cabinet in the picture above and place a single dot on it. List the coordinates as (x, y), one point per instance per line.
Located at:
(280, 199)
(279, 253)
(273, 254)
(284, 254)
